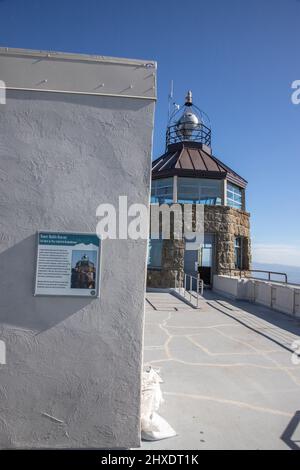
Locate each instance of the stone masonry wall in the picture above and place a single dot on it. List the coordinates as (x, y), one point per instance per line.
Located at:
(172, 265)
(225, 223)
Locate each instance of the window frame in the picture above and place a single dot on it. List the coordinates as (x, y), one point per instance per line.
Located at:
(234, 196)
(162, 197)
(238, 255)
(201, 188)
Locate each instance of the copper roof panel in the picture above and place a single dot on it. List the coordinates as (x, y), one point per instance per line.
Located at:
(210, 163)
(196, 159)
(169, 163)
(185, 161)
(190, 157)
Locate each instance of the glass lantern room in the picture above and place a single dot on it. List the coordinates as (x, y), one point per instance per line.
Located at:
(187, 172)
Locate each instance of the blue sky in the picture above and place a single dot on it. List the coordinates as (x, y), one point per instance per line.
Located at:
(239, 57)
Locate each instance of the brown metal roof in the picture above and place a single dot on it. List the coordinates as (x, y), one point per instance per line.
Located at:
(192, 159)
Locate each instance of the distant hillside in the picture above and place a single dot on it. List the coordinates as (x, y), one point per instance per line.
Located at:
(293, 272)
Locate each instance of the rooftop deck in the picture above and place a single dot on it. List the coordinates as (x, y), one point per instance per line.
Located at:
(229, 379)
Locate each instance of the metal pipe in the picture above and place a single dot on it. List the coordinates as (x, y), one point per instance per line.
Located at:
(276, 273)
(69, 92)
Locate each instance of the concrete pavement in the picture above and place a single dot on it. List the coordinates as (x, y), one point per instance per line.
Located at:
(229, 379)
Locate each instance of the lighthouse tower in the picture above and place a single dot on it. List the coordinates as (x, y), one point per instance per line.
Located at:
(189, 173)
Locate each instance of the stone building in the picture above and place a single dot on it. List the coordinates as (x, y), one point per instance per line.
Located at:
(188, 173)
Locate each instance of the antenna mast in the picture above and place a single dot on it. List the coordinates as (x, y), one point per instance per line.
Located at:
(170, 99)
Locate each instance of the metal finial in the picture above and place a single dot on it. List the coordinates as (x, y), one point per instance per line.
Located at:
(189, 99)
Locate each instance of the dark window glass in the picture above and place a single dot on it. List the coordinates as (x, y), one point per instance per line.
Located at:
(155, 253)
(238, 252)
(162, 191)
(199, 191)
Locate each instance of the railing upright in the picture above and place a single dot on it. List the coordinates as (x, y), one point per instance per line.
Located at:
(186, 282)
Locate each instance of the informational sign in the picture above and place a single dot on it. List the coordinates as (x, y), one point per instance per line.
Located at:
(68, 264)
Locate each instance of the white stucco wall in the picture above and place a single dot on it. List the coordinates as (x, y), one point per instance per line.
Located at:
(297, 303)
(263, 293)
(72, 373)
(284, 298)
(226, 284)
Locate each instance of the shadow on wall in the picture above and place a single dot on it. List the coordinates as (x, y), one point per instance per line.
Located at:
(18, 305)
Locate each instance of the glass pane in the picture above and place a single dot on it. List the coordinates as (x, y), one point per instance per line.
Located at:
(234, 196)
(162, 191)
(199, 191)
(238, 252)
(155, 253)
(207, 256)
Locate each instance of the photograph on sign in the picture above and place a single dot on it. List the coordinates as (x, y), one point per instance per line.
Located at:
(67, 264)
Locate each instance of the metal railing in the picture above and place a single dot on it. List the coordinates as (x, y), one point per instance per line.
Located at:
(195, 133)
(245, 273)
(192, 286)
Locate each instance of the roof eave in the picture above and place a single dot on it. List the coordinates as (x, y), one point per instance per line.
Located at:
(189, 174)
